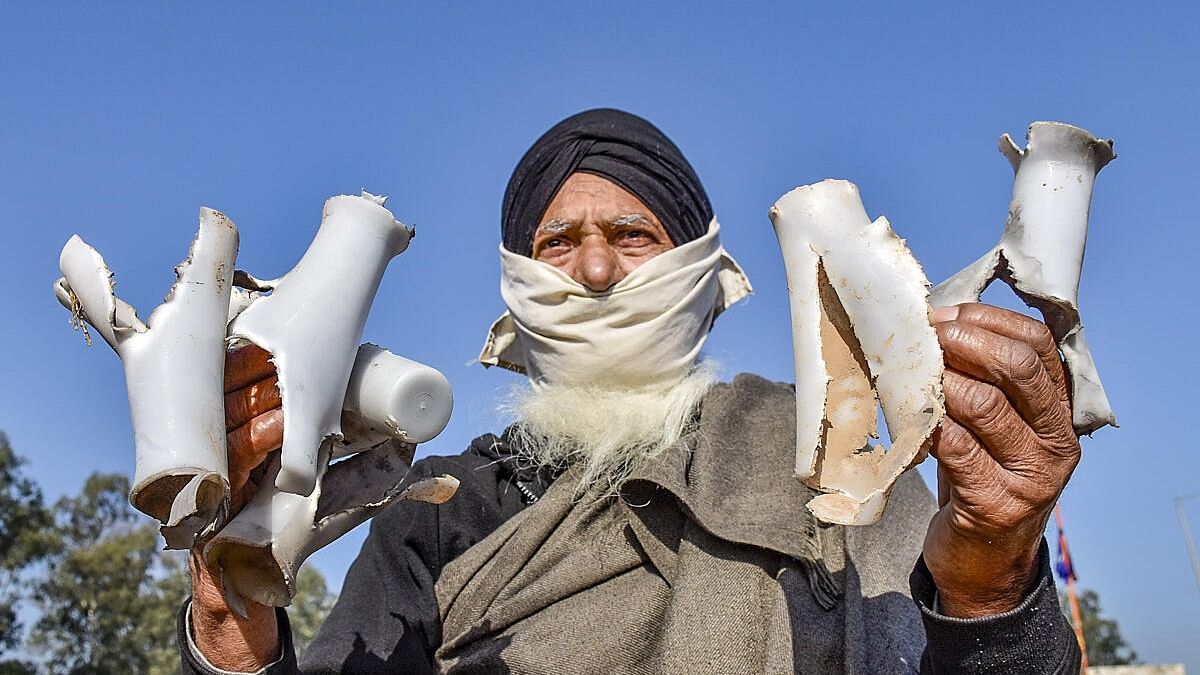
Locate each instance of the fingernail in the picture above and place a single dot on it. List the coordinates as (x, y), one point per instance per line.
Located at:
(943, 314)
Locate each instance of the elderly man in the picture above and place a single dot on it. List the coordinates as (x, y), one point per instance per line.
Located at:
(640, 516)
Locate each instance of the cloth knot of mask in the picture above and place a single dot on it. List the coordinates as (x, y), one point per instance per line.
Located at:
(646, 331)
(615, 145)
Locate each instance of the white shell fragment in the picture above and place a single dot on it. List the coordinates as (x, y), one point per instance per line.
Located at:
(259, 553)
(861, 334)
(311, 323)
(390, 396)
(339, 399)
(173, 372)
(1040, 254)
(392, 404)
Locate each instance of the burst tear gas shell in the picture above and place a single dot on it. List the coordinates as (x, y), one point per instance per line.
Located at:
(391, 405)
(861, 336)
(1040, 254)
(312, 321)
(174, 373)
(260, 551)
(181, 477)
(860, 306)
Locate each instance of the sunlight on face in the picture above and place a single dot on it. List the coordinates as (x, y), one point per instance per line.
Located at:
(597, 233)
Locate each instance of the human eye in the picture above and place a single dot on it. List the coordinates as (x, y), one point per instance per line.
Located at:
(634, 238)
(553, 248)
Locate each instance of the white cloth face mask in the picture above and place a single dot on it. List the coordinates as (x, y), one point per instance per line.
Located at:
(645, 331)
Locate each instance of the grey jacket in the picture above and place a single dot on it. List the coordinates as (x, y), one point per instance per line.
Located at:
(708, 562)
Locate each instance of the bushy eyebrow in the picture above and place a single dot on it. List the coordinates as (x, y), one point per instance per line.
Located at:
(554, 226)
(559, 225)
(629, 219)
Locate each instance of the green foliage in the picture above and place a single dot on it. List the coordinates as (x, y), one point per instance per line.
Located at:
(108, 597)
(17, 668)
(24, 539)
(309, 608)
(104, 595)
(1105, 645)
(100, 508)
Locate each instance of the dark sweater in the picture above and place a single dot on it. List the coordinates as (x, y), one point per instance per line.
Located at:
(387, 617)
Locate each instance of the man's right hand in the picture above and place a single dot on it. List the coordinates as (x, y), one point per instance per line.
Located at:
(254, 429)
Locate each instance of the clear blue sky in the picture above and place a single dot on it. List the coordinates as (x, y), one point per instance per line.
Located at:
(120, 120)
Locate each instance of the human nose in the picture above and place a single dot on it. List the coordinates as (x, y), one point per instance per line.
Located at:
(597, 268)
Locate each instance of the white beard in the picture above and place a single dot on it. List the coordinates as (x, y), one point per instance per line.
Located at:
(606, 433)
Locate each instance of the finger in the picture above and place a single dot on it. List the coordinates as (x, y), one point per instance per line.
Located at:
(1020, 327)
(251, 483)
(960, 455)
(1009, 364)
(986, 412)
(242, 405)
(250, 443)
(246, 365)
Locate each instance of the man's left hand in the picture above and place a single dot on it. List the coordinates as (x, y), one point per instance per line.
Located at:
(1005, 450)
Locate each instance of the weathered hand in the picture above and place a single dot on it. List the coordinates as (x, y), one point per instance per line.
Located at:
(254, 426)
(1005, 450)
(253, 418)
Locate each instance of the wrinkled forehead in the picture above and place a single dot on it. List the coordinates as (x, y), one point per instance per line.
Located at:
(588, 199)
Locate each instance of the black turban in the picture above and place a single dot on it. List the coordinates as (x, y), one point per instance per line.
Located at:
(612, 144)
